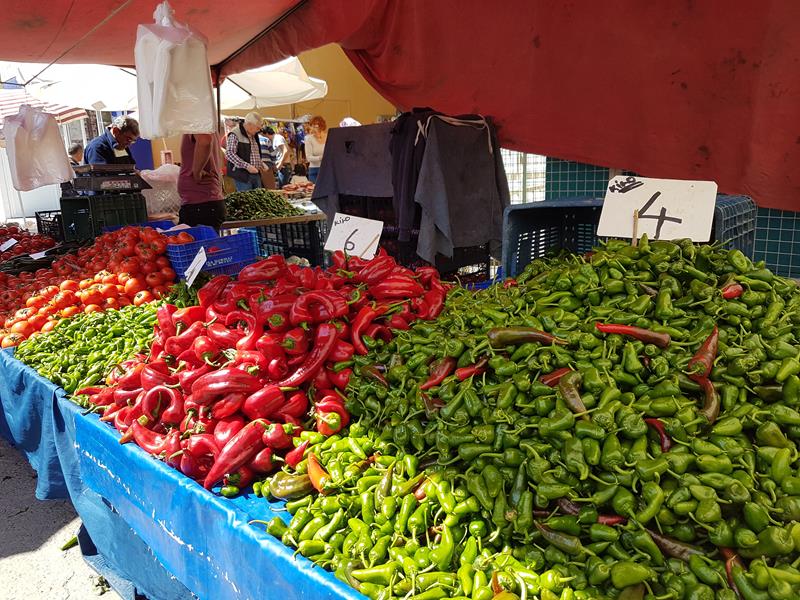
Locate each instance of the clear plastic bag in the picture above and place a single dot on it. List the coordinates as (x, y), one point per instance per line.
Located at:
(173, 78)
(163, 196)
(36, 153)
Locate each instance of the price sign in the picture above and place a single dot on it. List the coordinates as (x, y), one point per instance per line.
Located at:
(37, 255)
(667, 209)
(7, 244)
(354, 236)
(194, 268)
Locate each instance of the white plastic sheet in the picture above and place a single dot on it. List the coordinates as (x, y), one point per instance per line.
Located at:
(174, 79)
(36, 153)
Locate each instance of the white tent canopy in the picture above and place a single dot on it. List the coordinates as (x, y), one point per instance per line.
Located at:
(102, 87)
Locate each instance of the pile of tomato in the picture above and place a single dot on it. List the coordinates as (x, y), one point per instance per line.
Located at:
(27, 243)
(128, 266)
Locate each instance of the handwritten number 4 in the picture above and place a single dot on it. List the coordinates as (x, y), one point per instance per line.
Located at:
(660, 217)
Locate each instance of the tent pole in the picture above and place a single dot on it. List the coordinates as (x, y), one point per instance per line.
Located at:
(219, 102)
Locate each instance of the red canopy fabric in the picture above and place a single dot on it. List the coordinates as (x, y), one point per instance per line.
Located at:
(685, 90)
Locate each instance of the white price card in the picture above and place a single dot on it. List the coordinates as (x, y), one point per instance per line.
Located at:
(354, 236)
(194, 268)
(667, 209)
(36, 255)
(7, 244)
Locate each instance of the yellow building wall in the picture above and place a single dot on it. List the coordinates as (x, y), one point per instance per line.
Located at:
(349, 95)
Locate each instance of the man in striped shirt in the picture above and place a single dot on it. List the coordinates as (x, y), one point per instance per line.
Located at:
(244, 153)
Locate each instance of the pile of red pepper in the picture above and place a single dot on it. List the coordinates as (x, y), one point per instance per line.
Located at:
(229, 382)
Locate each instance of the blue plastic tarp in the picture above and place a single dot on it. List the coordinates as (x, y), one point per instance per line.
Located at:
(141, 514)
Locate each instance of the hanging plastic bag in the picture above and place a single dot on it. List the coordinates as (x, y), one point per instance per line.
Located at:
(162, 197)
(173, 78)
(36, 153)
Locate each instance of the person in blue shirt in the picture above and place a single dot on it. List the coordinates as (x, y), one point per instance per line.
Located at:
(113, 146)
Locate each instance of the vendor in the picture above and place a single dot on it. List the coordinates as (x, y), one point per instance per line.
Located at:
(244, 154)
(200, 181)
(113, 146)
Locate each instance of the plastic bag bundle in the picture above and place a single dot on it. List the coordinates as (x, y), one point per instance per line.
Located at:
(173, 78)
(36, 153)
(163, 196)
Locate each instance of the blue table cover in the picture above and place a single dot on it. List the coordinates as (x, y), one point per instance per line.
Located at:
(146, 519)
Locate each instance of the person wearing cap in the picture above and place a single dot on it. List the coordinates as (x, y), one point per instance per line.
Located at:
(113, 146)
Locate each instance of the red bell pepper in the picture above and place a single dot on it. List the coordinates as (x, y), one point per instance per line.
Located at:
(295, 341)
(183, 318)
(226, 428)
(276, 437)
(264, 270)
(200, 452)
(209, 293)
(363, 320)
(296, 407)
(343, 330)
(324, 341)
(269, 345)
(440, 370)
(338, 260)
(164, 319)
(226, 338)
(321, 381)
(237, 452)
(294, 457)
(262, 462)
(251, 358)
(224, 381)
(264, 403)
(277, 369)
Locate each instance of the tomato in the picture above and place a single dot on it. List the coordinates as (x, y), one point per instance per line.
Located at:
(133, 286)
(108, 290)
(163, 261)
(50, 291)
(159, 246)
(24, 313)
(124, 301)
(36, 301)
(65, 298)
(12, 339)
(85, 283)
(110, 278)
(146, 253)
(149, 267)
(128, 248)
(69, 284)
(168, 274)
(22, 327)
(98, 277)
(90, 308)
(69, 311)
(142, 297)
(130, 265)
(160, 291)
(123, 277)
(36, 322)
(49, 326)
(184, 238)
(111, 303)
(153, 279)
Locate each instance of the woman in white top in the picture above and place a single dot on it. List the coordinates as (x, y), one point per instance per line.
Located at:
(315, 145)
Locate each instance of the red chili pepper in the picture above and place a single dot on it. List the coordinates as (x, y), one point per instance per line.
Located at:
(398, 322)
(664, 439)
(321, 381)
(554, 377)
(473, 370)
(399, 287)
(732, 290)
(372, 372)
(262, 462)
(89, 391)
(270, 346)
(264, 403)
(342, 351)
(148, 440)
(432, 304)
(237, 452)
(178, 344)
(324, 341)
(645, 335)
(131, 379)
(340, 379)
(183, 318)
(295, 341)
(226, 338)
(250, 359)
(376, 270)
(500, 337)
(209, 293)
(155, 400)
(702, 362)
(263, 270)
(110, 413)
(205, 349)
(276, 437)
(228, 405)
(103, 398)
(711, 403)
(379, 332)
(509, 283)
(226, 428)
(202, 448)
(189, 376)
(317, 473)
(123, 397)
(294, 457)
(611, 520)
(332, 302)
(277, 369)
(364, 319)
(338, 260)
(731, 559)
(568, 507)
(164, 318)
(343, 330)
(157, 373)
(225, 381)
(439, 371)
(296, 406)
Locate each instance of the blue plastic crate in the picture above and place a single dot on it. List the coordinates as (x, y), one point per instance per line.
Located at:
(532, 230)
(230, 250)
(153, 224)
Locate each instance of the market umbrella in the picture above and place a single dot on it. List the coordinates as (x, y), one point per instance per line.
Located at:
(11, 100)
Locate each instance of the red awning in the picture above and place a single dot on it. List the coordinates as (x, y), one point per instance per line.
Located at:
(11, 100)
(689, 90)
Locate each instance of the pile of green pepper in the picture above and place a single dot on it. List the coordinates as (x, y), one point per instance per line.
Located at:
(578, 463)
(259, 204)
(82, 350)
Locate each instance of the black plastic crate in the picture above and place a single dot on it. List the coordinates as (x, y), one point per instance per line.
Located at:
(532, 230)
(304, 239)
(84, 217)
(48, 222)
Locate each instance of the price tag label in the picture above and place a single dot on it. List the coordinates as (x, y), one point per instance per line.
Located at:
(7, 244)
(194, 268)
(37, 255)
(354, 235)
(668, 209)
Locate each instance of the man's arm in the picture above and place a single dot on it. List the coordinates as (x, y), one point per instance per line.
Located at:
(236, 160)
(283, 152)
(92, 156)
(202, 154)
